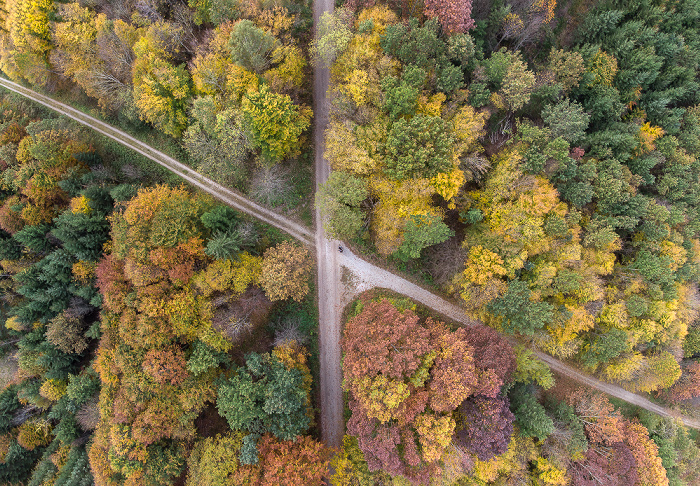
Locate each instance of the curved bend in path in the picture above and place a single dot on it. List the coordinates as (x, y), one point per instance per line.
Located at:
(364, 275)
(207, 185)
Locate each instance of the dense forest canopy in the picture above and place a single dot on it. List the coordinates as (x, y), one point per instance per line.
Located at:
(541, 163)
(538, 161)
(130, 307)
(546, 174)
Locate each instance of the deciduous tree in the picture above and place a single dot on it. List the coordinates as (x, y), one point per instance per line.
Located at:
(251, 46)
(454, 15)
(285, 272)
(275, 124)
(418, 147)
(383, 340)
(484, 426)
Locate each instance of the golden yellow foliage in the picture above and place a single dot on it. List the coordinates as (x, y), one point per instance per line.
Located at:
(601, 262)
(229, 275)
(548, 474)
(622, 369)
(521, 451)
(14, 324)
(210, 73)
(399, 200)
(380, 15)
(677, 253)
(289, 70)
(647, 135)
(449, 184)
(84, 272)
(483, 264)
(343, 152)
(467, 127)
(431, 106)
(434, 434)
(380, 396)
(357, 86)
(613, 315)
(80, 205)
(53, 389)
(603, 66)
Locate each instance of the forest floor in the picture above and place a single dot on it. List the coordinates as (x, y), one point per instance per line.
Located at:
(335, 288)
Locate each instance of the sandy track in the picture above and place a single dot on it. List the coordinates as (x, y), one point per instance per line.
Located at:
(364, 275)
(367, 276)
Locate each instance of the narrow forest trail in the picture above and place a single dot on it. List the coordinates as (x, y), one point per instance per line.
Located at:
(230, 197)
(333, 295)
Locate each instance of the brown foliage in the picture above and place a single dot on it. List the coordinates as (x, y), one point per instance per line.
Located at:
(688, 386)
(166, 365)
(285, 272)
(453, 374)
(645, 453)
(454, 15)
(491, 351)
(65, 331)
(602, 423)
(302, 462)
(10, 217)
(158, 421)
(112, 283)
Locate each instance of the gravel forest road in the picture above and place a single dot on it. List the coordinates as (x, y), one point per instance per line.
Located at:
(328, 281)
(333, 294)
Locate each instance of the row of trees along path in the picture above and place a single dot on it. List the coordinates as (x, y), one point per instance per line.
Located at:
(365, 275)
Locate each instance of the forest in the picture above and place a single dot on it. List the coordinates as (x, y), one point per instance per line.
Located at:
(537, 161)
(223, 80)
(153, 329)
(433, 403)
(544, 174)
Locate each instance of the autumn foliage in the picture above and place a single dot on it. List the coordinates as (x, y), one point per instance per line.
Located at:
(407, 377)
(285, 272)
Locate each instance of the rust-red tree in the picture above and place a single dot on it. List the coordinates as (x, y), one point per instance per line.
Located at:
(383, 340)
(688, 386)
(454, 15)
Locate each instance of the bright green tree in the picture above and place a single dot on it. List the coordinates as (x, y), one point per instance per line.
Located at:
(251, 46)
(518, 313)
(420, 232)
(420, 147)
(275, 124)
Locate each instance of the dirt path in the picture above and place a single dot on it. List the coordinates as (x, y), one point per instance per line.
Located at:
(226, 195)
(328, 283)
(363, 275)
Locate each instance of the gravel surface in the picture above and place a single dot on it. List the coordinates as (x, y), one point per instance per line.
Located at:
(328, 284)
